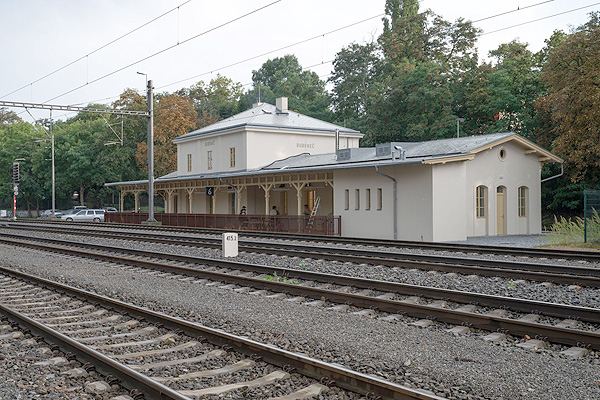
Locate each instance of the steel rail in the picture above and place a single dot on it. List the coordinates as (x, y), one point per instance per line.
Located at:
(538, 272)
(593, 256)
(311, 367)
(128, 377)
(554, 334)
(520, 305)
(344, 254)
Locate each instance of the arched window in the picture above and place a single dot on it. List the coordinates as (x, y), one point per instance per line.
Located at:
(523, 195)
(481, 201)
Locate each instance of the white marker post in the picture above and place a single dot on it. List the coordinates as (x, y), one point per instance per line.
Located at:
(230, 244)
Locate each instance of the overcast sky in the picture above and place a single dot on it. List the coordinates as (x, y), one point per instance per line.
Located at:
(40, 36)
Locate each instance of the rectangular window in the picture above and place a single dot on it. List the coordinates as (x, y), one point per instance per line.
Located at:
(346, 199)
(480, 201)
(189, 163)
(379, 199)
(522, 201)
(367, 199)
(357, 199)
(209, 159)
(232, 157)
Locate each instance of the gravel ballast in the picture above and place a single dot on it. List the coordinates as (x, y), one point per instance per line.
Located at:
(456, 367)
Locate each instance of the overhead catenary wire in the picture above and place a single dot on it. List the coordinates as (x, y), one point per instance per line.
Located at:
(97, 50)
(167, 48)
(540, 19)
(324, 34)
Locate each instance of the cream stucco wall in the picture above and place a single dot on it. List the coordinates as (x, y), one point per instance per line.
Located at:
(518, 169)
(219, 145)
(449, 208)
(265, 147)
(414, 203)
(254, 148)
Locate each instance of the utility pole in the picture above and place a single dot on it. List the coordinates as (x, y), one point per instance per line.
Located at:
(150, 100)
(53, 174)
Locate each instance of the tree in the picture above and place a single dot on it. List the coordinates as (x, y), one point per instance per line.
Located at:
(174, 116)
(356, 71)
(513, 87)
(8, 117)
(572, 103)
(284, 77)
(17, 142)
(216, 101)
(425, 60)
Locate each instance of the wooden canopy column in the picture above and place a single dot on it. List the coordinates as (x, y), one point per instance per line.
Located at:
(238, 196)
(190, 192)
(169, 200)
(136, 195)
(267, 188)
(121, 200)
(299, 186)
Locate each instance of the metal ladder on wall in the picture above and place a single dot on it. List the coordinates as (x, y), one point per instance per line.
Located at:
(311, 218)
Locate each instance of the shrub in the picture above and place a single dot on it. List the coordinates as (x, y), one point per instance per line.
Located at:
(570, 231)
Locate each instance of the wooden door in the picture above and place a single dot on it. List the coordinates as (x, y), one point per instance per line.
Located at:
(500, 210)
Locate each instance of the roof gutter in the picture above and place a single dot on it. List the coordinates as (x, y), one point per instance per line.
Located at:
(562, 170)
(395, 200)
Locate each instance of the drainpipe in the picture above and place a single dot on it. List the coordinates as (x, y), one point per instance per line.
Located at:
(235, 193)
(562, 170)
(337, 143)
(395, 200)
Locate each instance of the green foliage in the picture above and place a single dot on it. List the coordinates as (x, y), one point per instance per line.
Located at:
(570, 231)
(571, 107)
(217, 100)
(284, 77)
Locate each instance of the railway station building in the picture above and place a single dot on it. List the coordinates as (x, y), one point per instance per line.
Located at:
(271, 160)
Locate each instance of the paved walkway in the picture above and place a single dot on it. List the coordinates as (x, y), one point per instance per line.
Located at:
(507, 240)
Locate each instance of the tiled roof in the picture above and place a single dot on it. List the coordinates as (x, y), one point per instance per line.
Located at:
(267, 116)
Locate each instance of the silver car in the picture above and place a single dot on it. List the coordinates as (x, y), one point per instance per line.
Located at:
(95, 215)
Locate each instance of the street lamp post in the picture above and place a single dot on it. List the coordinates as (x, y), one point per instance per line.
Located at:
(50, 135)
(458, 121)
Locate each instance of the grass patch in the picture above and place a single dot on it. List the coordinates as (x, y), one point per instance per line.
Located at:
(277, 278)
(570, 231)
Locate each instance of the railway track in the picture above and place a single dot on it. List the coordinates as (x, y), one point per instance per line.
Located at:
(158, 356)
(556, 273)
(558, 323)
(591, 256)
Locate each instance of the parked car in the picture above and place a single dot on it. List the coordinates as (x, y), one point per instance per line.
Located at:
(95, 215)
(48, 214)
(110, 209)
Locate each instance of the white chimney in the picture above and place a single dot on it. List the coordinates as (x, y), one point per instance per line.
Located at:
(282, 104)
